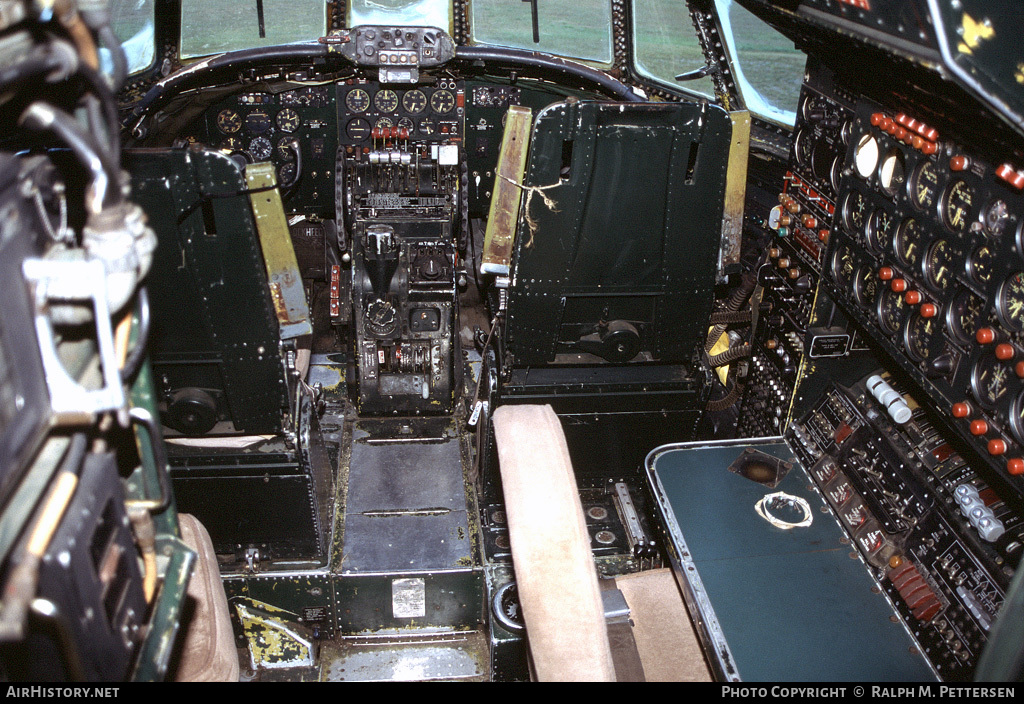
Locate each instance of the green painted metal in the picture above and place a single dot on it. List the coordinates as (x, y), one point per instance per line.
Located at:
(627, 227)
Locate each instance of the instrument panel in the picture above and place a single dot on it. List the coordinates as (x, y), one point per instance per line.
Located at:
(928, 247)
(368, 111)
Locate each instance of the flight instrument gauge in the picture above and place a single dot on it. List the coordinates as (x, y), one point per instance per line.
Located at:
(966, 314)
(843, 264)
(442, 101)
(414, 102)
(1010, 302)
(990, 380)
(956, 207)
(981, 263)
(909, 243)
(288, 120)
(924, 186)
(260, 149)
(880, 229)
(938, 264)
(229, 121)
(865, 286)
(258, 122)
(357, 100)
(891, 307)
(855, 212)
(923, 338)
(386, 100)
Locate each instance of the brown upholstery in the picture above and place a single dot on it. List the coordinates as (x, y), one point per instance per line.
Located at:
(665, 639)
(554, 567)
(208, 653)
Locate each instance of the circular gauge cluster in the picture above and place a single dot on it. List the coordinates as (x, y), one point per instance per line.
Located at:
(422, 111)
(261, 131)
(819, 146)
(928, 248)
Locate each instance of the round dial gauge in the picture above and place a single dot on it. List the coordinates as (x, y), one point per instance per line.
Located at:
(855, 212)
(891, 307)
(981, 263)
(909, 243)
(288, 120)
(386, 100)
(1017, 417)
(956, 207)
(442, 101)
(802, 147)
(414, 102)
(865, 286)
(406, 123)
(1010, 302)
(923, 338)
(383, 123)
(996, 217)
(229, 121)
(865, 156)
(892, 173)
(427, 127)
(990, 380)
(258, 122)
(966, 314)
(357, 129)
(357, 100)
(231, 144)
(880, 229)
(260, 149)
(924, 186)
(381, 318)
(843, 264)
(836, 173)
(284, 149)
(938, 264)
(286, 174)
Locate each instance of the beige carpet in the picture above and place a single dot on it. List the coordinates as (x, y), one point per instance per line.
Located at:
(665, 638)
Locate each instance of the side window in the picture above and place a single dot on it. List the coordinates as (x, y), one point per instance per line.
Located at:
(666, 45)
(580, 29)
(132, 23)
(768, 69)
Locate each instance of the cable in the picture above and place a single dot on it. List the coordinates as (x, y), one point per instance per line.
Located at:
(103, 190)
(138, 353)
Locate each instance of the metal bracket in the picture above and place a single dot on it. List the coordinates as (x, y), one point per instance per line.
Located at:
(75, 280)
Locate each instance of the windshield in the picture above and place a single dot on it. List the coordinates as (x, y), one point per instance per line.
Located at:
(580, 29)
(404, 13)
(215, 26)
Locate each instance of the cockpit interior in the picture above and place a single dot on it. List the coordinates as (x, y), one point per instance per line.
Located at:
(509, 340)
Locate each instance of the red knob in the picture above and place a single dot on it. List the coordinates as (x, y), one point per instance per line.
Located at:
(979, 427)
(928, 310)
(959, 162)
(1019, 369)
(1004, 351)
(912, 297)
(929, 147)
(898, 285)
(985, 336)
(961, 410)
(996, 446)
(1015, 466)
(885, 273)
(876, 118)
(823, 235)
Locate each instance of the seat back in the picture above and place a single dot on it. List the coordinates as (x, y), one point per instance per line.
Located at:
(619, 265)
(215, 342)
